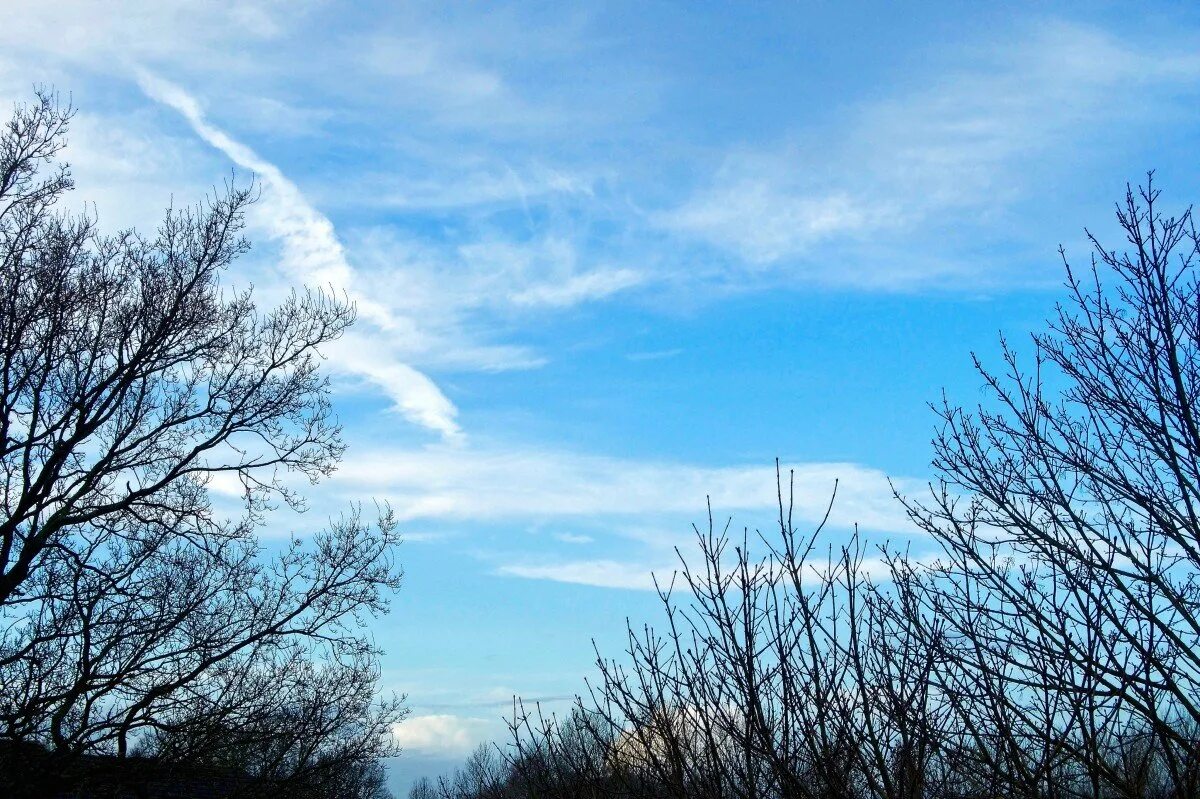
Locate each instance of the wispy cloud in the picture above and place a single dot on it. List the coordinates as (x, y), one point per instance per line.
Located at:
(647, 575)
(479, 184)
(747, 210)
(479, 483)
(465, 291)
(935, 155)
(598, 573)
(465, 71)
(578, 288)
(573, 538)
(654, 355)
(313, 255)
(424, 66)
(89, 32)
(630, 514)
(311, 249)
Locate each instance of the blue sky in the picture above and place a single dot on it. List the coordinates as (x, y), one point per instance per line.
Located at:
(613, 258)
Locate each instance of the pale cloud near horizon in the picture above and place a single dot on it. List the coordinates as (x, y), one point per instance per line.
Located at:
(444, 734)
(625, 516)
(620, 520)
(600, 573)
(496, 483)
(664, 575)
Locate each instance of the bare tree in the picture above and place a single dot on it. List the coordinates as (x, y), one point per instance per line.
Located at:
(1052, 649)
(1068, 514)
(134, 614)
(782, 674)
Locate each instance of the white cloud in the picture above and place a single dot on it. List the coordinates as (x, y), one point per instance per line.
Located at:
(543, 272)
(129, 172)
(311, 249)
(441, 482)
(631, 514)
(443, 734)
(663, 574)
(64, 28)
(573, 538)
(411, 537)
(578, 288)
(98, 36)
(447, 184)
(416, 396)
(464, 292)
(939, 154)
(424, 65)
(600, 573)
(765, 221)
(454, 288)
(457, 69)
(313, 255)
(466, 127)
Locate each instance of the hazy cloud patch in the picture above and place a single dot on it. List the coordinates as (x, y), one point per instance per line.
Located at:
(932, 155)
(443, 734)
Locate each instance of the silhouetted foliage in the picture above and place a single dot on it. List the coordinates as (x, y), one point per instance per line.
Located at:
(1052, 648)
(134, 614)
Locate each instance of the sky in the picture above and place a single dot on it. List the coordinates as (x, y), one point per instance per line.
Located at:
(612, 260)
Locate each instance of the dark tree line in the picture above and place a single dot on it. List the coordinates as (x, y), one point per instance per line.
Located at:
(1051, 650)
(137, 620)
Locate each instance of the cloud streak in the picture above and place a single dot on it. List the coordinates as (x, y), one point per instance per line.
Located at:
(598, 573)
(313, 255)
(604, 521)
(480, 483)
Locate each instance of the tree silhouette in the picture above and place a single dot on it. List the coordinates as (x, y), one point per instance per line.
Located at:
(133, 613)
(1049, 648)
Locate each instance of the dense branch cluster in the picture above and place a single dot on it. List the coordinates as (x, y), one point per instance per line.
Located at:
(1051, 649)
(137, 619)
